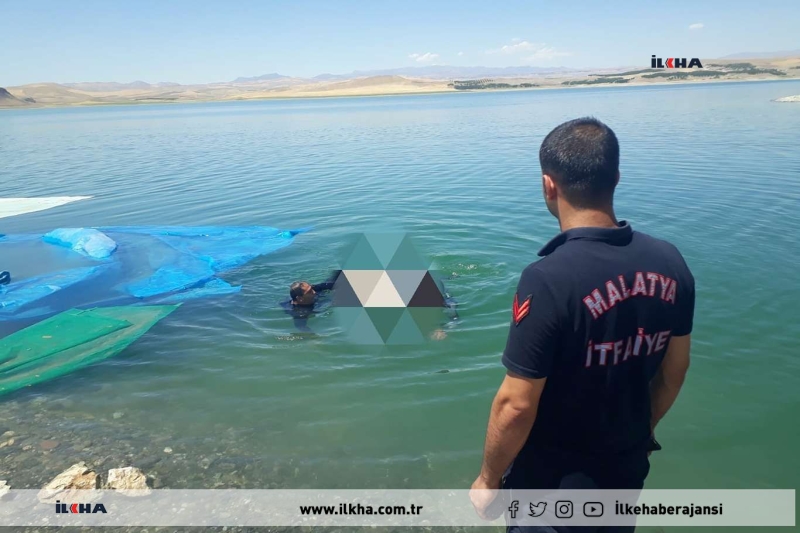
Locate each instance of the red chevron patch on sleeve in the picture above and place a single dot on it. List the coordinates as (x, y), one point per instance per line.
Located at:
(520, 311)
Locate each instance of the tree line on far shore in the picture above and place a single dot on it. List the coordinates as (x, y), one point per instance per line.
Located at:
(466, 85)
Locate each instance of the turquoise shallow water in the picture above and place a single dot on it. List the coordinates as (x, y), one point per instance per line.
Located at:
(714, 168)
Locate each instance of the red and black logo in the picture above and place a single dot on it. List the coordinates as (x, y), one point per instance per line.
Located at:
(521, 311)
(674, 62)
(79, 508)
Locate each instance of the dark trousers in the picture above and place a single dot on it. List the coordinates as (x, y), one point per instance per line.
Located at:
(542, 470)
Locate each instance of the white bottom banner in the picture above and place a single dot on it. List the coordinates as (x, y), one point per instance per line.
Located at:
(398, 508)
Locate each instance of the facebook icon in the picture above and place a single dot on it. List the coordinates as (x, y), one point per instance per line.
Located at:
(513, 508)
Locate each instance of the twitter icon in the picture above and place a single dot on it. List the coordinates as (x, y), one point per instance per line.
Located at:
(538, 509)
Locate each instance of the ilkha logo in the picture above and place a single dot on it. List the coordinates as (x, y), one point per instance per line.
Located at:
(674, 62)
(79, 508)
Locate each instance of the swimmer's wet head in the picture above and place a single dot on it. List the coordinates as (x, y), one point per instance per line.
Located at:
(302, 293)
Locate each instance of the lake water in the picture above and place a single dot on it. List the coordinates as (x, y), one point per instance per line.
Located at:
(242, 400)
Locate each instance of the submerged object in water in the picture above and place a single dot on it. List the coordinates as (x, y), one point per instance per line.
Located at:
(85, 241)
(72, 340)
(91, 267)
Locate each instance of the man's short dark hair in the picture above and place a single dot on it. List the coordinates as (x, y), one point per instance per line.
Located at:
(582, 156)
(296, 290)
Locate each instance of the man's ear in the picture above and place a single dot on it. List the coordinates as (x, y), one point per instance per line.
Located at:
(549, 186)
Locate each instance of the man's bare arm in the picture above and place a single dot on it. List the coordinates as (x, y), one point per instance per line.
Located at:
(667, 383)
(510, 422)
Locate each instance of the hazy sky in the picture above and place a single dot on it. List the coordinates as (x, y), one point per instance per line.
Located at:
(204, 41)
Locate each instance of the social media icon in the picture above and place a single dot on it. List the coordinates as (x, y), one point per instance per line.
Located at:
(593, 509)
(563, 509)
(513, 508)
(538, 509)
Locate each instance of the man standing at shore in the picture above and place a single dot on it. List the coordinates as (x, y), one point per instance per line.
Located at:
(598, 346)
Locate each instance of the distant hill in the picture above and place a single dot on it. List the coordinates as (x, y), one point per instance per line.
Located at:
(763, 55)
(449, 72)
(407, 80)
(9, 100)
(108, 86)
(328, 77)
(53, 93)
(266, 77)
(436, 72)
(361, 83)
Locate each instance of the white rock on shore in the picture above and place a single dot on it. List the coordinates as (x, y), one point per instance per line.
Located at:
(4, 488)
(129, 481)
(795, 98)
(75, 478)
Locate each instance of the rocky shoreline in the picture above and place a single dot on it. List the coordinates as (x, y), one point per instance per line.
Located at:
(34, 451)
(46, 444)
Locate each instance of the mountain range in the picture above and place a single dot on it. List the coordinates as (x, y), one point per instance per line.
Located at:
(763, 55)
(407, 80)
(432, 72)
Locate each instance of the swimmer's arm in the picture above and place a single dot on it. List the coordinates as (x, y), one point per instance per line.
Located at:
(667, 383)
(451, 308)
(448, 302)
(510, 421)
(327, 285)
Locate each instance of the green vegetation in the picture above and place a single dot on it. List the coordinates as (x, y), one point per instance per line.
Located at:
(595, 82)
(731, 68)
(739, 66)
(649, 73)
(672, 75)
(773, 71)
(466, 85)
(629, 73)
(751, 69)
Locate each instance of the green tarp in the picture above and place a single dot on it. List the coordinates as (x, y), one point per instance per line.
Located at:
(71, 340)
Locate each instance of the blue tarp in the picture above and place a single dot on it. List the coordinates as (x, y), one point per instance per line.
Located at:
(18, 294)
(119, 265)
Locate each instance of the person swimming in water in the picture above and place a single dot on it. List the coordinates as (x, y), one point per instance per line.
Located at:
(307, 299)
(304, 295)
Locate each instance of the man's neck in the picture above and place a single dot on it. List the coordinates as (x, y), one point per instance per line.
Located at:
(587, 218)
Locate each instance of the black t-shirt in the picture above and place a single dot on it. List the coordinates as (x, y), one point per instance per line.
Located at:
(594, 317)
